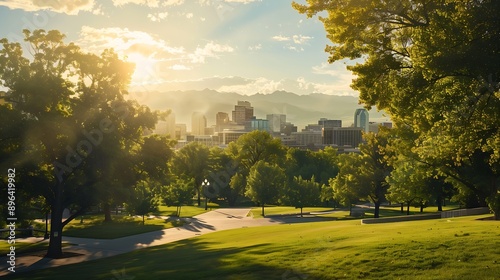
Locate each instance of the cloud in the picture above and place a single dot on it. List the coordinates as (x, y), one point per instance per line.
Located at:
(255, 48)
(124, 40)
(158, 16)
(300, 39)
(67, 7)
(211, 49)
(179, 67)
(281, 38)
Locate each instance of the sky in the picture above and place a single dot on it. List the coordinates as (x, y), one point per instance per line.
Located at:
(242, 46)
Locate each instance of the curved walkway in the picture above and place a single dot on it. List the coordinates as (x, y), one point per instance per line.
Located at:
(86, 249)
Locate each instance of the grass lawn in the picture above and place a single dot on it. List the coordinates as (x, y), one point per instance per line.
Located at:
(457, 248)
(282, 210)
(94, 226)
(186, 211)
(25, 247)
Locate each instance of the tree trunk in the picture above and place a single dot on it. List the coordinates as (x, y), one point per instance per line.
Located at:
(408, 208)
(440, 204)
(199, 198)
(55, 242)
(377, 209)
(142, 219)
(263, 210)
(402, 208)
(301, 212)
(107, 212)
(421, 208)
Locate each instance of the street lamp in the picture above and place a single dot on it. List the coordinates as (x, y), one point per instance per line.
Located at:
(205, 184)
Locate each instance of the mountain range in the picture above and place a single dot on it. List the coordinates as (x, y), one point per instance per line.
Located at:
(299, 109)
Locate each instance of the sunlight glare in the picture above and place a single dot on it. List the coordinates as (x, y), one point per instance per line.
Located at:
(145, 69)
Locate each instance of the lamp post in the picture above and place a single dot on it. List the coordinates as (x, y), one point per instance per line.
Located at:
(205, 184)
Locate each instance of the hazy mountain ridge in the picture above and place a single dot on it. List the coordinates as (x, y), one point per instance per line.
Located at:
(300, 109)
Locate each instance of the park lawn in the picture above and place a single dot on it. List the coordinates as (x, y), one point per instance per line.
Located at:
(186, 211)
(457, 248)
(27, 247)
(256, 212)
(93, 226)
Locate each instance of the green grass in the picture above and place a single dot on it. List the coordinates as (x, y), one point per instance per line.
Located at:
(121, 226)
(458, 248)
(93, 226)
(256, 212)
(25, 247)
(186, 211)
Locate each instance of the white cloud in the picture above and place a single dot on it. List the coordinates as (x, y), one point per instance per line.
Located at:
(123, 40)
(300, 39)
(179, 67)
(149, 3)
(255, 48)
(158, 16)
(281, 38)
(189, 15)
(211, 49)
(67, 7)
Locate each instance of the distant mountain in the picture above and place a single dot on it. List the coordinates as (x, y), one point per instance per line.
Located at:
(300, 109)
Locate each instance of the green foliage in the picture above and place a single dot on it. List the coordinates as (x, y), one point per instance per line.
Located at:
(433, 66)
(179, 193)
(265, 183)
(301, 193)
(192, 163)
(143, 201)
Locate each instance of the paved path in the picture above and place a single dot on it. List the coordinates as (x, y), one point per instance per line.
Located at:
(91, 249)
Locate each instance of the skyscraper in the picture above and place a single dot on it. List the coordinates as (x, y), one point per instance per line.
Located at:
(276, 122)
(198, 123)
(243, 112)
(361, 119)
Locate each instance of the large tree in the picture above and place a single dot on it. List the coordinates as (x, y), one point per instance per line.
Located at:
(265, 183)
(72, 106)
(433, 66)
(192, 163)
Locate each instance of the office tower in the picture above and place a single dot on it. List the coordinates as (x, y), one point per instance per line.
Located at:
(361, 119)
(243, 112)
(276, 122)
(198, 124)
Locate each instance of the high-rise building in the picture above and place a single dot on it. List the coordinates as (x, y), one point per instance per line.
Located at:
(329, 123)
(342, 136)
(243, 112)
(257, 124)
(180, 131)
(361, 119)
(167, 126)
(221, 119)
(276, 122)
(198, 123)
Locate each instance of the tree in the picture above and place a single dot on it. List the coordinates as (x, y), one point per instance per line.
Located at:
(363, 176)
(346, 186)
(249, 149)
(192, 162)
(179, 193)
(222, 169)
(143, 201)
(301, 193)
(265, 183)
(433, 66)
(72, 106)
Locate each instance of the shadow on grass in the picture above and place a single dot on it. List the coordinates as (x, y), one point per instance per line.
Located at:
(187, 259)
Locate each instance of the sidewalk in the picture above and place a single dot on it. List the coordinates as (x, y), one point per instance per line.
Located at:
(86, 249)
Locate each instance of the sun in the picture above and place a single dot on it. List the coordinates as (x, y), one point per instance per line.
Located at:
(145, 69)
